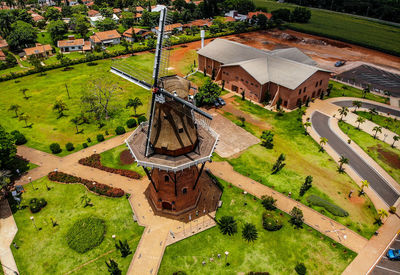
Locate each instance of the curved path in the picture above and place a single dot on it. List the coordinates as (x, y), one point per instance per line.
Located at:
(367, 105)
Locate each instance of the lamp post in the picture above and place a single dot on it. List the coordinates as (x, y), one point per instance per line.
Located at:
(113, 237)
(30, 180)
(33, 221)
(94, 151)
(226, 255)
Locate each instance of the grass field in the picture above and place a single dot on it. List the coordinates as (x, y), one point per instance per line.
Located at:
(302, 159)
(45, 90)
(386, 156)
(275, 252)
(111, 158)
(338, 91)
(45, 251)
(345, 28)
(388, 123)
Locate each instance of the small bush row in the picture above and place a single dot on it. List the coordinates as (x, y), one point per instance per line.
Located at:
(95, 162)
(330, 207)
(99, 188)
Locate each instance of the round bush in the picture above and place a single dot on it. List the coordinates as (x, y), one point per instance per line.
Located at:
(84, 145)
(42, 202)
(301, 269)
(69, 146)
(120, 130)
(271, 221)
(131, 123)
(141, 119)
(55, 148)
(86, 234)
(36, 205)
(100, 138)
(19, 138)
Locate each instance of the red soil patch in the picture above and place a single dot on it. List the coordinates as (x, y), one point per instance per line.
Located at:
(390, 158)
(355, 199)
(126, 158)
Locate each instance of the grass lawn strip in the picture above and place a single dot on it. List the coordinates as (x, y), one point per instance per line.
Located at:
(276, 252)
(302, 159)
(386, 122)
(381, 152)
(46, 251)
(338, 91)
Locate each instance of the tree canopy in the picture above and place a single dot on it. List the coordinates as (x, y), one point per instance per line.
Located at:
(57, 30)
(208, 93)
(21, 36)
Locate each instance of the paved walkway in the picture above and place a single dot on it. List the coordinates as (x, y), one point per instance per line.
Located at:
(8, 229)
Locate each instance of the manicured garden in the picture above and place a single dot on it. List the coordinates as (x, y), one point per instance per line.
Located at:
(44, 124)
(303, 158)
(276, 252)
(389, 123)
(55, 242)
(344, 27)
(386, 156)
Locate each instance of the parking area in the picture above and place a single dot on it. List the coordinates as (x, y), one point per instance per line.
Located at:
(380, 80)
(386, 266)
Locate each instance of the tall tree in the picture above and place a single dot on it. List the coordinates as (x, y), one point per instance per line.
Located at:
(60, 106)
(395, 138)
(8, 149)
(360, 120)
(113, 268)
(21, 36)
(322, 143)
(14, 108)
(377, 129)
(227, 225)
(343, 112)
(343, 160)
(249, 232)
(75, 121)
(6, 20)
(208, 93)
(356, 104)
(279, 164)
(57, 30)
(134, 103)
(52, 14)
(102, 91)
(24, 118)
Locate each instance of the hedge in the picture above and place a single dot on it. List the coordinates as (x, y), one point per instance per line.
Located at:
(330, 207)
(95, 162)
(93, 186)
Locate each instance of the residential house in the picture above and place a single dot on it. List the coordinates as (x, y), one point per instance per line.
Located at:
(39, 50)
(73, 45)
(130, 34)
(94, 19)
(288, 74)
(106, 38)
(157, 8)
(169, 28)
(37, 17)
(3, 43)
(2, 56)
(93, 13)
(236, 16)
(199, 23)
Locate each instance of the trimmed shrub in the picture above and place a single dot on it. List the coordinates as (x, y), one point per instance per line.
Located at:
(131, 123)
(330, 207)
(36, 205)
(392, 209)
(141, 119)
(89, 140)
(301, 269)
(98, 188)
(84, 145)
(69, 146)
(271, 221)
(86, 234)
(257, 273)
(120, 130)
(19, 138)
(268, 202)
(42, 202)
(55, 148)
(100, 138)
(95, 162)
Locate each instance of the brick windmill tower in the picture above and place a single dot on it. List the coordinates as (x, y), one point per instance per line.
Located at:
(175, 144)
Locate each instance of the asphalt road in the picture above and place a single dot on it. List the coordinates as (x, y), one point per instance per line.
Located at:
(320, 123)
(386, 266)
(382, 109)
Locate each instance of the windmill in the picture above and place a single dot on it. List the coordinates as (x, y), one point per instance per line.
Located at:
(175, 141)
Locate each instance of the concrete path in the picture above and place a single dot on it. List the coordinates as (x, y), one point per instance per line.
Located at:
(8, 229)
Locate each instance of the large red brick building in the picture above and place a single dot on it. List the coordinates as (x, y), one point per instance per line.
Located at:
(288, 74)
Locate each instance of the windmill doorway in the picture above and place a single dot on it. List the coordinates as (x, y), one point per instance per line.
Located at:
(166, 205)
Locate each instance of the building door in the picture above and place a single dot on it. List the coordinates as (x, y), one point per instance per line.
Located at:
(166, 205)
(234, 88)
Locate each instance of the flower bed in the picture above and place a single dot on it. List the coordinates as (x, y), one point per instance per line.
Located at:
(95, 162)
(98, 188)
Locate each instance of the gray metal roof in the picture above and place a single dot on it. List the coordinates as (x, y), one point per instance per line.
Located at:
(285, 67)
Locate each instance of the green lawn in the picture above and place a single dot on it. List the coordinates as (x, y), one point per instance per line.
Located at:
(46, 251)
(111, 158)
(302, 159)
(386, 156)
(344, 27)
(388, 123)
(338, 91)
(45, 90)
(275, 252)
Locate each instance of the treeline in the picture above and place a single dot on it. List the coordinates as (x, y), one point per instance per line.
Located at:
(388, 10)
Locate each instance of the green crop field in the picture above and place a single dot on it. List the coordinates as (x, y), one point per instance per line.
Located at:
(345, 27)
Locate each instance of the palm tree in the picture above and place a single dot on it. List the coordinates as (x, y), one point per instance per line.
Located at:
(5, 176)
(360, 120)
(366, 90)
(373, 112)
(322, 142)
(24, 118)
(242, 120)
(249, 232)
(227, 225)
(15, 108)
(343, 112)
(113, 268)
(134, 103)
(388, 121)
(382, 213)
(306, 125)
(377, 129)
(343, 160)
(23, 91)
(357, 104)
(75, 121)
(395, 138)
(60, 106)
(364, 183)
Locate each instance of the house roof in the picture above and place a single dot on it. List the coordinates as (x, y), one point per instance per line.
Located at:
(129, 32)
(38, 49)
(87, 46)
(287, 67)
(199, 23)
(3, 43)
(92, 13)
(116, 10)
(37, 17)
(139, 9)
(69, 43)
(169, 28)
(229, 19)
(107, 35)
(2, 55)
(251, 14)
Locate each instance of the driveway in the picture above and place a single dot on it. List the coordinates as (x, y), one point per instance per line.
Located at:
(320, 123)
(367, 105)
(386, 266)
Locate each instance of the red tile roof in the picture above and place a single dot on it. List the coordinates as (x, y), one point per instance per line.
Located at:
(129, 32)
(107, 35)
(3, 43)
(229, 19)
(92, 13)
(199, 23)
(168, 28)
(2, 55)
(38, 49)
(87, 46)
(68, 43)
(36, 17)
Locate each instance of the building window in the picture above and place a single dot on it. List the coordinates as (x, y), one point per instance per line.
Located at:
(247, 82)
(316, 84)
(237, 78)
(300, 91)
(256, 85)
(180, 130)
(184, 190)
(227, 73)
(305, 89)
(241, 79)
(320, 82)
(166, 178)
(252, 84)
